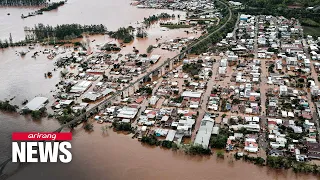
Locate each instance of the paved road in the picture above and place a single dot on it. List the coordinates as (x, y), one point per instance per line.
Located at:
(263, 144)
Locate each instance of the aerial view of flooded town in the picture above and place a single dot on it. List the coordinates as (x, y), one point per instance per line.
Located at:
(164, 89)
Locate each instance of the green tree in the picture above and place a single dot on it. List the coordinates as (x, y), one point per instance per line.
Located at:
(219, 141)
(88, 127)
(220, 154)
(36, 114)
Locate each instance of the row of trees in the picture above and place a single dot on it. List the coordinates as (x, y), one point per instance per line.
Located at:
(286, 163)
(151, 19)
(52, 6)
(66, 31)
(151, 140)
(197, 150)
(22, 2)
(6, 43)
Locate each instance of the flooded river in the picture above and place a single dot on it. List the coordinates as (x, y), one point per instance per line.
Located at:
(116, 156)
(112, 14)
(96, 155)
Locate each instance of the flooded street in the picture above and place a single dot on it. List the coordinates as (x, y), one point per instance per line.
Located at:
(99, 155)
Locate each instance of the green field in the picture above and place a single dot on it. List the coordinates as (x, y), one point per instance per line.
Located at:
(313, 31)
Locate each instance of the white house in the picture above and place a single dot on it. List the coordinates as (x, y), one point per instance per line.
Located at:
(307, 62)
(223, 63)
(283, 90)
(291, 61)
(204, 132)
(153, 100)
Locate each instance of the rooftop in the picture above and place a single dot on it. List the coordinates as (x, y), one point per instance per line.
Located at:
(36, 103)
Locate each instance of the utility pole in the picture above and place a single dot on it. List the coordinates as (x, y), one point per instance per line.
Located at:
(10, 39)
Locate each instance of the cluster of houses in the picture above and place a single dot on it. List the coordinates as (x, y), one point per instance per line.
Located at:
(192, 5)
(174, 44)
(256, 88)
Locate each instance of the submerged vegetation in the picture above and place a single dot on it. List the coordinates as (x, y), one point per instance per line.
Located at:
(124, 34)
(286, 163)
(38, 114)
(52, 6)
(66, 31)
(141, 33)
(151, 140)
(6, 43)
(6, 106)
(197, 150)
(121, 126)
(151, 19)
(88, 127)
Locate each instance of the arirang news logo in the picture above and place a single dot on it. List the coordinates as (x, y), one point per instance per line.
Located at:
(41, 147)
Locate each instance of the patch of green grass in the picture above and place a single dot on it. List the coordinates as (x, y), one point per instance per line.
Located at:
(309, 22)
(313, 31)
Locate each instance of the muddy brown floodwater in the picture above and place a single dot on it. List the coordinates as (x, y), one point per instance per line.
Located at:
(96, 155)
(116, 156)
